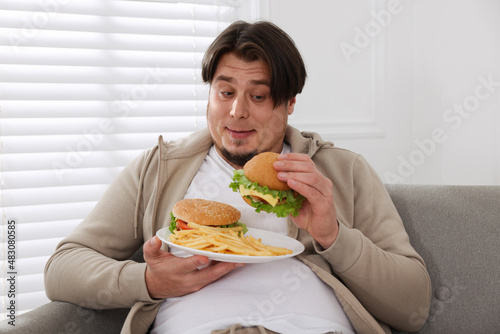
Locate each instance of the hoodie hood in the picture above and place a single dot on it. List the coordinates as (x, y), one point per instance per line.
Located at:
(305, 142)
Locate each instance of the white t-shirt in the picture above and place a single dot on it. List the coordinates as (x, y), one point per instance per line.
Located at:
(284, 296)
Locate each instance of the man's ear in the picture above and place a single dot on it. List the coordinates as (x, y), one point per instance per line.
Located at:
(290, 105)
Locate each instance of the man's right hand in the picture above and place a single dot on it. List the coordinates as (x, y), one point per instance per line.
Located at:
(171, 276)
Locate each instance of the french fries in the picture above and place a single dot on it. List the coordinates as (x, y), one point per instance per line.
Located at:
(225, 241)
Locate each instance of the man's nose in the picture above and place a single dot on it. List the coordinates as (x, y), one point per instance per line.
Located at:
(239, 108)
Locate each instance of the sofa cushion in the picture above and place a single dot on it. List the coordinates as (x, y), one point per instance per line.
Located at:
(456, 229)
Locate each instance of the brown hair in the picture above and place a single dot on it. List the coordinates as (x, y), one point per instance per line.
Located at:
(260, 41)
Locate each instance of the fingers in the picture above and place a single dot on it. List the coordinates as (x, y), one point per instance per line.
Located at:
(301, 174)
(152, 251)
(153, 254)
(170, 276)
(294, 161)
(151, 248)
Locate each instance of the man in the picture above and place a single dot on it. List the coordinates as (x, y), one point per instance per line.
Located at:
(358, 273)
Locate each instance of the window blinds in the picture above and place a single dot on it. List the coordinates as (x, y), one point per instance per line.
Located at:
(85, 86)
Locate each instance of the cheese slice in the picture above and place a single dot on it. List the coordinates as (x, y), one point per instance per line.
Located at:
(251, 192)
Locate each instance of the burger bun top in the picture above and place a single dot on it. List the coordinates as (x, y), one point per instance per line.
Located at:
(205, 212)
(260, 169)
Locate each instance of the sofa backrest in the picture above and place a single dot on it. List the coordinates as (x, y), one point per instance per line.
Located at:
(456, 229)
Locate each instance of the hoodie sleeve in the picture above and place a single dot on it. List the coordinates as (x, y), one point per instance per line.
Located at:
(90, 267)
(373, 255)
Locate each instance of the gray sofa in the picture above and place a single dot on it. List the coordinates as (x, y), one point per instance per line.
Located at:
(455, 228)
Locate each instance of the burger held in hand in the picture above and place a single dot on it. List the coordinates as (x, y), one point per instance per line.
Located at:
(206, 213)
(260, 187)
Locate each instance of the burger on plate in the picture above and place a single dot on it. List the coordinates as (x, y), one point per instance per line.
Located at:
(260, 187)
(204, 212)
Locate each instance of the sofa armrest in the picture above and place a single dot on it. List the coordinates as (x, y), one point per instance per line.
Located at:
(66, 318)
(62, 317)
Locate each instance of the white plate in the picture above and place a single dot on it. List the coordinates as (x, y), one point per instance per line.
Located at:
(267, 237)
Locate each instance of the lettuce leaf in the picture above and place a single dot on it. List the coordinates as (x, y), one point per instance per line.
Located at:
(173, 223)
(291, 206)
(243, 231)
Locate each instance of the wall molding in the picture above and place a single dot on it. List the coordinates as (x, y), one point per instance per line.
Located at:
(372, 123)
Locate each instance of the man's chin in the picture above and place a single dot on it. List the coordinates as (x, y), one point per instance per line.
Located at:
(237, 158)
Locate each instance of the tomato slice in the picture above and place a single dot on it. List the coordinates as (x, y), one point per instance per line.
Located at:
(183, 225)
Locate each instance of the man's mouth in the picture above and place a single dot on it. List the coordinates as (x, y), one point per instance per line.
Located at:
(240, 134)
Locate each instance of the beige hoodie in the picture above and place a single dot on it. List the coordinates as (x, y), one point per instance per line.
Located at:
(376, 274)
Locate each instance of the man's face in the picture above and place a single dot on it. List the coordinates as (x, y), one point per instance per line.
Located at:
(241, 116)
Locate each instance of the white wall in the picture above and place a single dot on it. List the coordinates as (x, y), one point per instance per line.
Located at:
(404, 83)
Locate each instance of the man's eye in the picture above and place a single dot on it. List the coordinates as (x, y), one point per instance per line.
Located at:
(226, 94)
(258, 97)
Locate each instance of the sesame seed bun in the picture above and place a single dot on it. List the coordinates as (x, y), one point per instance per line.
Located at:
(205, 212)
(260, 169)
